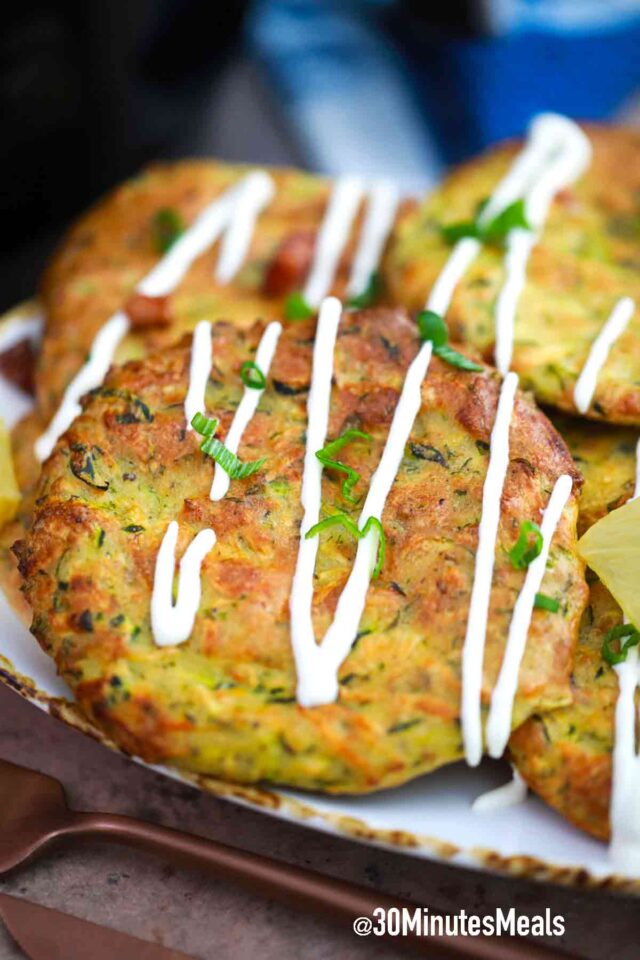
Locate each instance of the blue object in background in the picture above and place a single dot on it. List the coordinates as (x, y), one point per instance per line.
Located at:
(376, 86)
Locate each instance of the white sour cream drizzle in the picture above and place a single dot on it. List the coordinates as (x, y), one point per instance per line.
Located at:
(247, 407)
(318, 664)
(379, 218)
(610, 332)
(252, 195)
(306, 652)
(498, 728)
(624, 810)
(235, 211)
(346, 198)
(88, 377)
(556, 153)
(199, 370)
(507, 795)
(473, 649)
(172, 623)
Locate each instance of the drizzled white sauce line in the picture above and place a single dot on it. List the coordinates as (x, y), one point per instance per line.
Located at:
(460, 259)
(507, 795)
(318, 664)
(172, 623)
(498, 727)
(473, 649)
(199, 370)
(610, 332)
(305, 650)
(253, 193)
(88, 377)
(346, 198)
(624, 810)
(247, 407)
(236, 211)
(381, 210)
(556, 154)
(339, 638)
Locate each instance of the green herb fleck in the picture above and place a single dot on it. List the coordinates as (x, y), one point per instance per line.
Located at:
(494, 232)
(167, 225)
(543, 602)
(432, 327)
(327, 454)
(527, 546)
(252, 376)
(341, 519)
(627, 637)
(214, 448)
(297, 308)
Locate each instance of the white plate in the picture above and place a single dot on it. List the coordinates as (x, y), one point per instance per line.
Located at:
(430, 817)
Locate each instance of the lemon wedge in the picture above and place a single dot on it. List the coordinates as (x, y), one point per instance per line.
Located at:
(611, 547)
(9, 492)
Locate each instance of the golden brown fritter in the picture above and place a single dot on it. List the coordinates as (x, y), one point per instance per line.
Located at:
(606, 458)
(224, 702)
(587, 258)
(108, 251)
(565, 755)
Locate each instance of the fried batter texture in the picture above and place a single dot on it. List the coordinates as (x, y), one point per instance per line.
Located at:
(224, 701)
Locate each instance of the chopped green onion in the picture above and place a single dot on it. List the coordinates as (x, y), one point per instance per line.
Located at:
(524, 551)
(432, 327)
(455, 359)
(326, 457)
(369, 295)
(215, 449)
(513, 216)
(297, 308)
(341, 519)
(252, 376)
(543, 602)
(628, 637)
(205, 426)
(167, 225)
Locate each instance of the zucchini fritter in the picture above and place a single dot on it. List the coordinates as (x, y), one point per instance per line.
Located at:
(565, 755)
(224, 702)
(606, 458)
(588, 257)
(108, 251)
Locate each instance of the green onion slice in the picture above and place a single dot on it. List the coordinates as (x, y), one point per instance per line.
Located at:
(513, 216)
(214, 448)
(432, 327)
(167, 225)
(369, 295)
(527, 546)
(205, 426)
(341, 519)
(252, 376)
(297, 308)
(327, 454)
(543, 602)
(627, 637)
(455, 359)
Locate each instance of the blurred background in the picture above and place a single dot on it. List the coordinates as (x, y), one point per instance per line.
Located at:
(90, 91)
